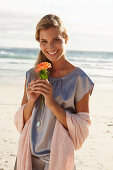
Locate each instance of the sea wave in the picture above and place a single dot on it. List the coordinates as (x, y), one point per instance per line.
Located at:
(14, 62)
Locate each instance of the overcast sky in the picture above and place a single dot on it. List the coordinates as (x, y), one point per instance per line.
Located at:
(89, 22)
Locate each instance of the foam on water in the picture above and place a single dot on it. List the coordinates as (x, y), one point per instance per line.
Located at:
(14, 62)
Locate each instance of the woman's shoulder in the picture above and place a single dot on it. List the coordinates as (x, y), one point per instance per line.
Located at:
(76, 70)
(30, 70)
(81, 72)
(84, 84)
(31, 73)
(82, 75)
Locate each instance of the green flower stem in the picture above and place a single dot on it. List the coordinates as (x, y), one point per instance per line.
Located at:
(43, 75)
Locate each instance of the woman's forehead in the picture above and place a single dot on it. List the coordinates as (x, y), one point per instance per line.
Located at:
(50, 32)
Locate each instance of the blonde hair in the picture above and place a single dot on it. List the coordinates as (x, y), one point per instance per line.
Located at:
(49, 21)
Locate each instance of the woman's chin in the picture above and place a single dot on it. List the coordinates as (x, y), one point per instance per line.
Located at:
(53, 58)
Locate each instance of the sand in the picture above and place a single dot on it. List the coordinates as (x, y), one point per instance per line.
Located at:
(95, 154)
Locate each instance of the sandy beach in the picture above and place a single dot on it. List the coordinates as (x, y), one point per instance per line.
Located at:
(95, 154)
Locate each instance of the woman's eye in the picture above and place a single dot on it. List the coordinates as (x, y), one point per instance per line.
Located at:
(56, 39)
(43, 41)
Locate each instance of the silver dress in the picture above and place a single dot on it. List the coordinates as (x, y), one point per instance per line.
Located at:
(67, 90)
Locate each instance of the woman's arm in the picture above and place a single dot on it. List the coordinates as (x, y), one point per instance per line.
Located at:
(81, 106)
(30, 100)
(24, 100)
(59, 112)
(46, 89)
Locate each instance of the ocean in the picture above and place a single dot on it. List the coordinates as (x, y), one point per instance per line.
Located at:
(14, 62)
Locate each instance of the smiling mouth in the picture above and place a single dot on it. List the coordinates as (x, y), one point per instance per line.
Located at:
(52, 54)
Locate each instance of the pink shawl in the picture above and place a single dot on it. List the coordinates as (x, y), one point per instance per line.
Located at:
(63, 142)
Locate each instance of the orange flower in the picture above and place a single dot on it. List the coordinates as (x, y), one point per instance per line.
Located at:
(43, 66)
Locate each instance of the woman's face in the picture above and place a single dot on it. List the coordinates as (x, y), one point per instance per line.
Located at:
(52, 44)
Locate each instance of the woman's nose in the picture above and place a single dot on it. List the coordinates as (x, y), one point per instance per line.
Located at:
(51, 45)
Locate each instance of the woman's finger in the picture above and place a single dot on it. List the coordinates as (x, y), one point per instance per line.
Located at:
(32, 84)
(43, 85)
(44, 81)
(30, 89)
(43, 89)
(43, 92)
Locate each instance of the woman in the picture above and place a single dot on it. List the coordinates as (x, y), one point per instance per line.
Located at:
(67, 90)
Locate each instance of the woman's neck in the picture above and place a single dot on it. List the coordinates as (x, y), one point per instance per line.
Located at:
(59, 65)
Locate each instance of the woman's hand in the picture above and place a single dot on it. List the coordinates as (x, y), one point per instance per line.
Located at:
(45, 88)
(30, 91)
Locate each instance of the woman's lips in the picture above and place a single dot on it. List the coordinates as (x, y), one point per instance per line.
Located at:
(53, 53)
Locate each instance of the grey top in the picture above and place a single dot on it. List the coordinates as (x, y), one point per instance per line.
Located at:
(67, 90)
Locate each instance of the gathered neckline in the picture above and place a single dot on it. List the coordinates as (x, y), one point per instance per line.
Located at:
(65, 75)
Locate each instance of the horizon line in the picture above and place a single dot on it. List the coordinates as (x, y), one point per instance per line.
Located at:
(66, 49)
